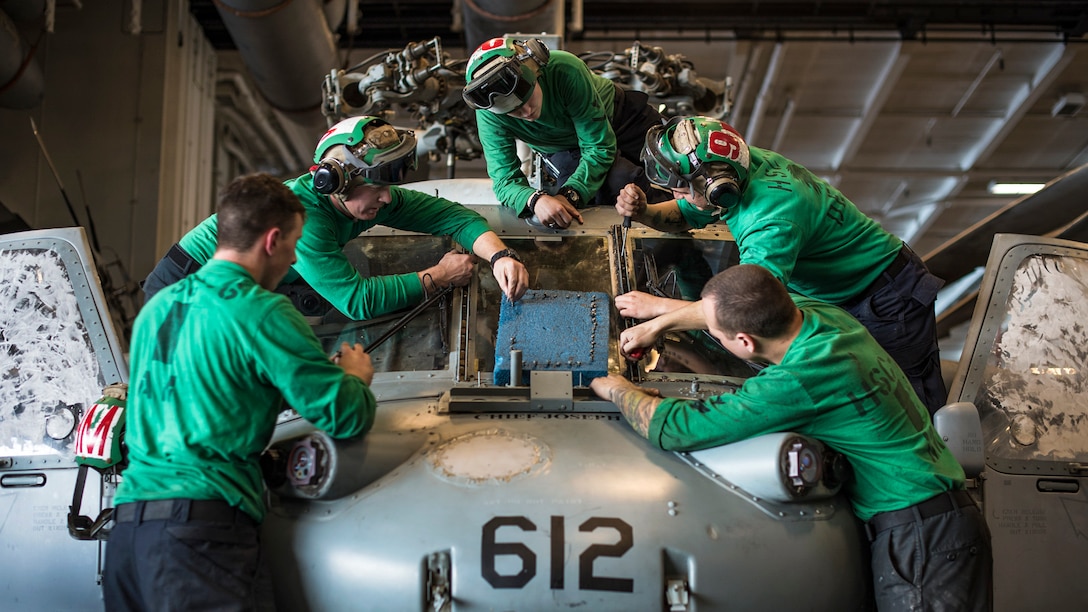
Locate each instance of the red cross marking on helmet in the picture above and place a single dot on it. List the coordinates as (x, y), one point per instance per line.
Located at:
(494, 43)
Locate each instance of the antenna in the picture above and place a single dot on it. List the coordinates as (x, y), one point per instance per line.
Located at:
(60, 185)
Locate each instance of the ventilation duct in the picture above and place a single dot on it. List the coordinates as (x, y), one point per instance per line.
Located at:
(487, 19)
(288, 48)
(22, 84)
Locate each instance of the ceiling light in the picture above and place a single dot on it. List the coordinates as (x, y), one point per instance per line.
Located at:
(997, 188)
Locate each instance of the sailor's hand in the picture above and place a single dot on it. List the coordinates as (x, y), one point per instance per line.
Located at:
(512, 277)
(631, 201)
(454, 269)
(634, 341)
(117, 390)
(642, 306)
(556, 212)
(603, 386)
(355, 361)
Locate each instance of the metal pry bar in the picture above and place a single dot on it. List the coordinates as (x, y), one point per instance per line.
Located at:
(407, 318)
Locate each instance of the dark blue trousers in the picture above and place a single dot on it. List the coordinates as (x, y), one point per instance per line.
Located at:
(180, 563)
(902, 318)
(632, 117)
(943, 563)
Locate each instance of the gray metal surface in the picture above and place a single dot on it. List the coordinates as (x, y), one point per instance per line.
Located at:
(1023, 368)
(470, 496)
(58, 349)
(555, 510)
(487, 496)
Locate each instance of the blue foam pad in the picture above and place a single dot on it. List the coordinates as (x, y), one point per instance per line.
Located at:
(554, 330)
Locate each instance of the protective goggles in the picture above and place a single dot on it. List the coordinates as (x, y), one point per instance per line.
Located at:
(393, 172)
(500, 88)
(664, 170)
(390, 167)
(660, 170)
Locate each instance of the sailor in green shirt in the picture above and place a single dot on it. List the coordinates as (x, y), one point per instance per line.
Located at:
(827, 378)
(799, 227)
(215, 358)
(588, 131)
(351, 188)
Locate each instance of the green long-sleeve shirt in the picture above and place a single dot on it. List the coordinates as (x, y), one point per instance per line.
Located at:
(576, 113)
(803, 230)
(322, 263)
(214, 356)
(837, 385)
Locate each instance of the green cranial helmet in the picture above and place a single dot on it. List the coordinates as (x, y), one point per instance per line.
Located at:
(362, 151)
(701, 152)
(501, 74)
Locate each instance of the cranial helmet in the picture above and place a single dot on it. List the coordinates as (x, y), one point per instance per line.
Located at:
(702, 152)
(360, 151)
(501, 73)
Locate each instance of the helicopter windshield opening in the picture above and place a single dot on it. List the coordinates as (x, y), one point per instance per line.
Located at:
(49, 364)
(419, 343)
(677, 267)
(1034, 400)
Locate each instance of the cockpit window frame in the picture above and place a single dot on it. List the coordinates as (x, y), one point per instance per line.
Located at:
(982, 346)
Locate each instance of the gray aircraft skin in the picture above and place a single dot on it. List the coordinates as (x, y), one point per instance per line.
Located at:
(469, 495)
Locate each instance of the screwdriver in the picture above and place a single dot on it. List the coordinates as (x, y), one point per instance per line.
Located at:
(639, 352)
(623, 236)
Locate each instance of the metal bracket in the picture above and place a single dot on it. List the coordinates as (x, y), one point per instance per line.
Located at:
(551, 390)
(676, 595)
(438, 582)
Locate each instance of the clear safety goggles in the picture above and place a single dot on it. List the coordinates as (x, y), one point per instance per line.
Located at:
(499, 89)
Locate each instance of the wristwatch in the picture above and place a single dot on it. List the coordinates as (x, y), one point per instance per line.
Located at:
(571, 195)
(505, 253)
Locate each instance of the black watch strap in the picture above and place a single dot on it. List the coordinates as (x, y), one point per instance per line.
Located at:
(504, 253)
(571, 195)
(532, 201)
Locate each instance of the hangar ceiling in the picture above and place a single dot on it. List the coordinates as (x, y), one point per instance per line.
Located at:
(912, 109)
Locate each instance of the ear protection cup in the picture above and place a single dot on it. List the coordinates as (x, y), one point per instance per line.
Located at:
(536, 50)
(717, 182)
(721, 190)
(330, 176)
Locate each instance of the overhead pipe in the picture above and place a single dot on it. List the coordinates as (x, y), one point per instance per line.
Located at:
(243, 99)
(760, 108)
(22, 84)
(736, 112)
(337, 11)
(487, 19)
(577, 17)
(27, 12)
(288, 48)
